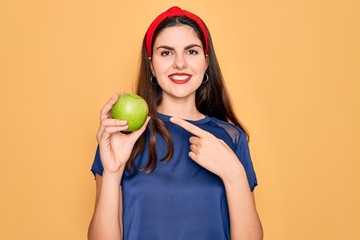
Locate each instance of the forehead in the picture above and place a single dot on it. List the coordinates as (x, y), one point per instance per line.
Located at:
(177, 34)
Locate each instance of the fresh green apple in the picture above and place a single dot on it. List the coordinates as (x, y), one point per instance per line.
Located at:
(131, 107)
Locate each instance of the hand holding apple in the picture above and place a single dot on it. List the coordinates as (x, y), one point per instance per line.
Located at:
(115, 146)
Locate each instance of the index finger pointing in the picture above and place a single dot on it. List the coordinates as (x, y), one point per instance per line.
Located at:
(188, 126)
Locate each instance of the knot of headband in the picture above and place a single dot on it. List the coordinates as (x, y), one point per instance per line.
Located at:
(173, 12)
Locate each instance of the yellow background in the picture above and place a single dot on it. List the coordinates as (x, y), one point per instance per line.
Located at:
(292, 69)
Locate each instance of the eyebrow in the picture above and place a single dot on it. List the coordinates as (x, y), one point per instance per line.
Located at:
(186, 48)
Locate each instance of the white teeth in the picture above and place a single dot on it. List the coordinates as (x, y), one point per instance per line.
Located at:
(180, 77)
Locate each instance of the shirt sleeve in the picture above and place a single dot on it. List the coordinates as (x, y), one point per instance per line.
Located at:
(97, 167)
(243, 153)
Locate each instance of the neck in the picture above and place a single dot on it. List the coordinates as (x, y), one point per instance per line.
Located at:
(181, 108)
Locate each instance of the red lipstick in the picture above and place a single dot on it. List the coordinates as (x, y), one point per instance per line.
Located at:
(180, 78)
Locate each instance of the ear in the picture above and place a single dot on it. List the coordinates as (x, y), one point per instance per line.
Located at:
(152, 67)
(206, 61)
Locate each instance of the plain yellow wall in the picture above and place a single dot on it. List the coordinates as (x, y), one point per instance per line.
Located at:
(292, 68)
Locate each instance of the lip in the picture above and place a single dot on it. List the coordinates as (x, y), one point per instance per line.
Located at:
(180, 78)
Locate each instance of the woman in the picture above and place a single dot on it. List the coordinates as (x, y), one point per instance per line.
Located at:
(175, 178)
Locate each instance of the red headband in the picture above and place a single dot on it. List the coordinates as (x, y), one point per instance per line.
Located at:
(173, 12)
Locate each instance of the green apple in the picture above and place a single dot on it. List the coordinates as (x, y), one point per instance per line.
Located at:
(131, 107)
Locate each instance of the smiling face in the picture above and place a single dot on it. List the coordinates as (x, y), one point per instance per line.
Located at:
(178, 62)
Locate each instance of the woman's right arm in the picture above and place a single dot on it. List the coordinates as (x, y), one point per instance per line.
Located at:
(115, 149)
(106, 222)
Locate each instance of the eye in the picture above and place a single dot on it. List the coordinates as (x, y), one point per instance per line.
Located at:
(166, 53)
(193, 52)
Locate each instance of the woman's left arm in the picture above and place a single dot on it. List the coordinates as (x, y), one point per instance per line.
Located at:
(216, 156)
(244, 219)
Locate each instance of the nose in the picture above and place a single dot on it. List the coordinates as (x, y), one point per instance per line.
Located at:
(179, 62)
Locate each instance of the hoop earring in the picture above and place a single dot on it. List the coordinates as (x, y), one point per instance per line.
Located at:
(152, 80)
(206, 79)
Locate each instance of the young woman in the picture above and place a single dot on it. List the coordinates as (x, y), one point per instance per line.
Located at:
(187, 173)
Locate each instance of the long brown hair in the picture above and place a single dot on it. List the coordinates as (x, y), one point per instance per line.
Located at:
(212, 98)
